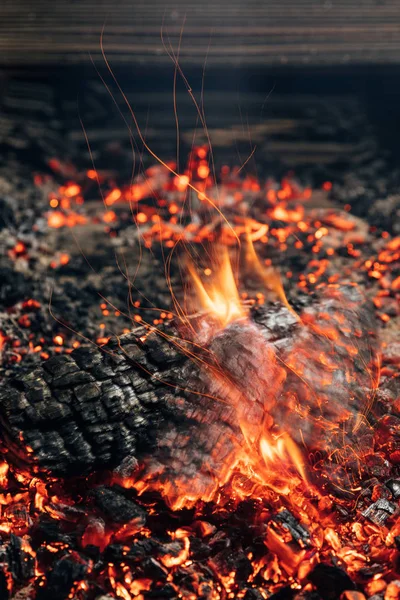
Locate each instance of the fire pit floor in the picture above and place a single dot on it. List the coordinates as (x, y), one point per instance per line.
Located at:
(170, 430)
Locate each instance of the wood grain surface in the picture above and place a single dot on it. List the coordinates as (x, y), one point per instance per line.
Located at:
(256, 32)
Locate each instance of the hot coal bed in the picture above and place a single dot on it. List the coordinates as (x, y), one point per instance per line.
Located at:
(199, 363)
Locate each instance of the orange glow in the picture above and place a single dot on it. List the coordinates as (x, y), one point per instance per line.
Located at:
(182, 182)
(141, 217)
(288, 215)
(203, 171)
(19, 248)
(276, 414)
(174, 561)
(138, 192)
(72, 190)
(396, 284)
(173, 209)
(109, 216)
(3, 339)
(56, 219)
(113, 197)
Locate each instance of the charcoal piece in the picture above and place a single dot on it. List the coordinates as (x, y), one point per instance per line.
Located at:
(87, 392)
(116, 507)
(253, 595)
(21, 563)
(85, 358)
(370, 571)
(290, 523)
(136, 553)
(285, 593)
(394, 487)
(58, 366)
(167, 591)
(229, 560)
(198, 549)
(71, 413)
(330, 581)
(66, 571)
(380, 511)
(47, 529)
(4, 593)
(15, 286)
(154, 570)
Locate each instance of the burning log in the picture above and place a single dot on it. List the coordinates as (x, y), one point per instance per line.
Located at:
(147, 402)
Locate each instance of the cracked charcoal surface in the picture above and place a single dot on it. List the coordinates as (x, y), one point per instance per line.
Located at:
(116, 507)
(63, 576)
(89, 409)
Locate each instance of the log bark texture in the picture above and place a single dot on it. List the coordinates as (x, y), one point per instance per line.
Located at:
(245, 33)
(184, 415)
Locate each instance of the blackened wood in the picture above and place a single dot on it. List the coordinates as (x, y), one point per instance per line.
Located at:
(142, 400)
(65, 573)
(330, 581)
(116, 507)
(92, 408)
(256, 32)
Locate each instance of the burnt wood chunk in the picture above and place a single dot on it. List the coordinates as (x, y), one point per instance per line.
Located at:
(66, 572)
(141, 402)
(380, 511)
(87, 410)
(394, 487)
(116, 507)
(330, 581)
(298, 532)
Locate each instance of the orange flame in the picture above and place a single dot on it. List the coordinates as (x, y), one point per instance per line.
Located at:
(283, 453)
(270, 277)
(220, 298)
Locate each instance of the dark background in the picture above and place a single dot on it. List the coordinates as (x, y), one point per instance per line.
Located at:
(254, 58)
(296, 47)
(253, 32)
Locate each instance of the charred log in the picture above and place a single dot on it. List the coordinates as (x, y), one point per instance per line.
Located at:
(90, 409)
(141, 398)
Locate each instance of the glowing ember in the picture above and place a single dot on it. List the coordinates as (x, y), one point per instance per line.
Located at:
(273, 438)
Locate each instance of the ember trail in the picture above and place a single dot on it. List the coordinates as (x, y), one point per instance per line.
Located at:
(225, 424)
